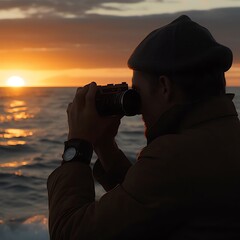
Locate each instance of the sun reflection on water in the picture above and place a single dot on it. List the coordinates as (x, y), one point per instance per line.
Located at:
(7, 136)
(15, 110)
(17, 103)
(15, 133)
(18, 173)
(13, 164)
(16, 116)
(41, 219)
(12, 143)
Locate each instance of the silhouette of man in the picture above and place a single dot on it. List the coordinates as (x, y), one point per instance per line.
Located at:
(185, 182)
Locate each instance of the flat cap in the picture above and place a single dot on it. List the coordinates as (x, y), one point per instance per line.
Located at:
(180, 46)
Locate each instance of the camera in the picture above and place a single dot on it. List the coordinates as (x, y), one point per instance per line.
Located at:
(117, 99)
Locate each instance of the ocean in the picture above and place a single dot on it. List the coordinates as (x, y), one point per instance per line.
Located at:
(33, 127)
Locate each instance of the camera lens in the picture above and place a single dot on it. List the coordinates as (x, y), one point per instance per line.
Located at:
(123, 103)
(131, 102)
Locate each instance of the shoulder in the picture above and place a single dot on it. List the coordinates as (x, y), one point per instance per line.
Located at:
(186, 143)
(160, 167)
(166, 164)
(167, 146)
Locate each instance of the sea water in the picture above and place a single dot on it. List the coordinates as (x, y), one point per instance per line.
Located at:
(33, 127)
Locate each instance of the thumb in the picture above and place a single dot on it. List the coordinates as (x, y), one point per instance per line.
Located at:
(90, 96)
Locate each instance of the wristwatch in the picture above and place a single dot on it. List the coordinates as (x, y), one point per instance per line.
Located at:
(77, 150)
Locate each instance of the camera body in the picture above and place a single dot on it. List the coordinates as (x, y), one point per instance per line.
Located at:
(117, 99)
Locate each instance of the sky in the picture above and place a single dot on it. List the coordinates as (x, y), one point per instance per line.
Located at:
(74, 42)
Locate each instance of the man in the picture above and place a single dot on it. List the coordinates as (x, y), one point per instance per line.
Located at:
(185, 182)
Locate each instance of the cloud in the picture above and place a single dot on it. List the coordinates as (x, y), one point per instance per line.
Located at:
(54, 8)
(98, 41)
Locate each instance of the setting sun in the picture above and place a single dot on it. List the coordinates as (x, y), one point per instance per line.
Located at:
(15, 81)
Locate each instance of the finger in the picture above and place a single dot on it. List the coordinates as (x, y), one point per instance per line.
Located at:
(78, 89)
(69, 107)
(81, 90)
(80, 96)
(90, 96)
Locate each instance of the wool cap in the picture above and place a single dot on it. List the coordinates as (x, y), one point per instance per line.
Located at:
(180, 46)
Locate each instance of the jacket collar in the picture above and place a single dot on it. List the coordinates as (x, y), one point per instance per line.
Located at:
(186, 116)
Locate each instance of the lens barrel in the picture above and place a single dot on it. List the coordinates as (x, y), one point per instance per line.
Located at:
(131, 102)
(126, 103)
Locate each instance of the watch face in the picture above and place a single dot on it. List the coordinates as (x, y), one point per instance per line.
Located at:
(69, 154)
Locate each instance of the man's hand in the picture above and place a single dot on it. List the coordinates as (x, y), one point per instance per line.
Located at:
(84, 121)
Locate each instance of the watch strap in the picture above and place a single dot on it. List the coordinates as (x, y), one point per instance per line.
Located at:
(84, 150)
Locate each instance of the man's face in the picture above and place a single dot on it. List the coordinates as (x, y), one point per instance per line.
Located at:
(151, 100)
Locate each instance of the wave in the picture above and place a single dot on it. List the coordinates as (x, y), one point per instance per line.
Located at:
(32, 228)
(35, 166)
(51, 141)
(132, 133)
(17, 148)
(12, 180)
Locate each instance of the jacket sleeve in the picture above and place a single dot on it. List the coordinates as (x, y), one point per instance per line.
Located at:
(70, 190)
(74, 214)
(109, 178)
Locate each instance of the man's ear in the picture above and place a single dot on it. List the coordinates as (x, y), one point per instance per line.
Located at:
(166, 87)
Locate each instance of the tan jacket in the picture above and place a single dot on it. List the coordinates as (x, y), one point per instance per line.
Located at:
(185, 183)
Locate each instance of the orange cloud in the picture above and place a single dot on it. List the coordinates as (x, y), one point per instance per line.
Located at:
(97, 41)
(55, 45)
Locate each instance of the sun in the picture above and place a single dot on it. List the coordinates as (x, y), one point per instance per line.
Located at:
(15, 81)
